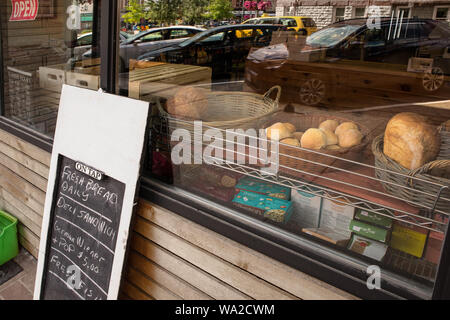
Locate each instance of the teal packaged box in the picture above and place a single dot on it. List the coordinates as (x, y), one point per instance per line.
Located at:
(369, 231)
(278, 210)
(264, 188)
(372, 217)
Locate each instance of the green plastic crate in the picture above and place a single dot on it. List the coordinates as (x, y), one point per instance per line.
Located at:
(9, 247)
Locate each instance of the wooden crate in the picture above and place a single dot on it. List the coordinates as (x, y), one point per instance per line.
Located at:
(143, 81)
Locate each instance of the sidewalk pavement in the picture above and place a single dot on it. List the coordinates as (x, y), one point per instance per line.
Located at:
(21, 286)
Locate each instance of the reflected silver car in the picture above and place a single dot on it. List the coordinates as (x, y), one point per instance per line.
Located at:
(150, 40)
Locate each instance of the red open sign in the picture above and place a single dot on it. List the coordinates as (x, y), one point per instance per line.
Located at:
(23, 10)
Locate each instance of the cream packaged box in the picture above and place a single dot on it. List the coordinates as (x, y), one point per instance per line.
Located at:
(367, 247)
(306, 208)
(337, 215)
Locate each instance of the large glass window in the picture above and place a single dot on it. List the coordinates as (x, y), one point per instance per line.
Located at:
(340, 137)
(45, 46)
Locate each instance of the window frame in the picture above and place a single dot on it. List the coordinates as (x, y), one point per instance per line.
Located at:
(335, 14)
(354, 12)
(397, 10)
(435, 9)
(305, 256)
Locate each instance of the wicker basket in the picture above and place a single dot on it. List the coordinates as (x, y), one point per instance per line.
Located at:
(417, 187)
(230, 110)
(289, 156)
(444, 152)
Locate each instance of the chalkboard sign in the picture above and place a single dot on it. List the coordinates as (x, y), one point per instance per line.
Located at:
(83, 233)
(91, 194)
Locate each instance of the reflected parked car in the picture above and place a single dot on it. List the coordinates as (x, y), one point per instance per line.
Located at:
(302, 25)
(220, 48)
(405, 58)
(84, 42)
(151, 39)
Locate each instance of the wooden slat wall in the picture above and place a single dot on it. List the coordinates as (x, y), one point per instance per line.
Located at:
(174, 258)
(23, 181)
(170, 257)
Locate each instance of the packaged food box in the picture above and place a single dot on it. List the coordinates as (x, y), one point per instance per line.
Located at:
(278, 210)
(328, 235)
(337, 215)
(306, 208)
(264, 188)
(370, 231)
(373, 218)
(367, 247)
(408, 239)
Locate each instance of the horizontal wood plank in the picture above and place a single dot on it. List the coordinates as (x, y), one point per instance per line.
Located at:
(197, 278)
(24, 172)
(304, 286)
(31, 150)
(169, 280)
(234, 276)
(133, 292)
(149, 286)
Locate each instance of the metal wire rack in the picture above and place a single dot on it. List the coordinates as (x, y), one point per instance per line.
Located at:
(425, 217)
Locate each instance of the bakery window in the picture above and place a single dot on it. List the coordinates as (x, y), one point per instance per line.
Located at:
(335, 145)
(46, 44)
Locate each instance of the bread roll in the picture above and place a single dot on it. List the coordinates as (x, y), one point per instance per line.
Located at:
(411, 140)
(313, 139)
(278, 131)
(350, 138)
(331, 137)
(291, 141)
(333, 147)
(345, 126)
(298, 135)
(188, 102)
(329, 125)
(289, 126)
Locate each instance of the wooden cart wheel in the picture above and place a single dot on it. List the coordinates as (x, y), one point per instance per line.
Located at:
(433, 80)
(312, 92)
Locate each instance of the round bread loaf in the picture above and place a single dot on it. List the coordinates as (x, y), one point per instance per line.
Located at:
(331, 137)
(345, 126)
(329, 125)
(188, 102)
(411, 140)
(289, 126)
(278, 131)
(291, 141)
(313, 139)
(350, 138)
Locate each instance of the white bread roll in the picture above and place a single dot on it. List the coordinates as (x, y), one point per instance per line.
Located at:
(289, 126)
(313, 139)
(329, 125)
(350, 138)
(345, 126)
(331, 137)
(277, 132)
(291, 141)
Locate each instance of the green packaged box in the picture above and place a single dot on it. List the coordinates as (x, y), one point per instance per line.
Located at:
(264, 188)
(275, 209)
(369, 231)
(372, 217)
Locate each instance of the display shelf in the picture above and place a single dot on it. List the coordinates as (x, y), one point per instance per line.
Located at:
(353, 184)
